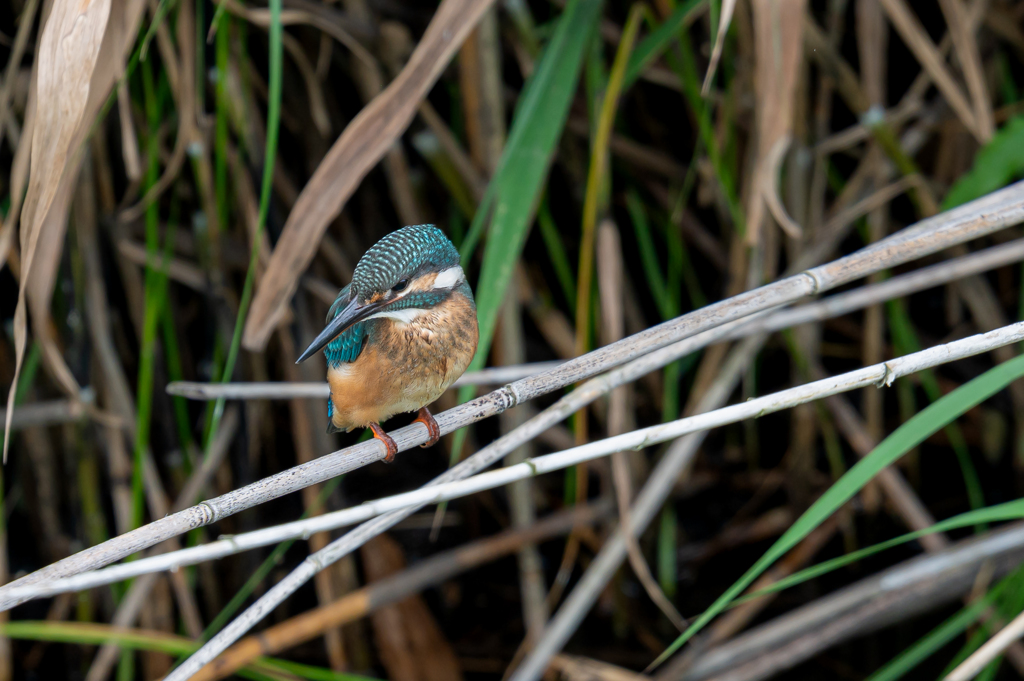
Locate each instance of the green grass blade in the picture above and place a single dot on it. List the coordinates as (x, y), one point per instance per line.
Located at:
(172, 353)
(648, 253)
(269, 159)
(651, 47)
(155, 298)
(684, 63)
(1014, 582)
(935, 640)
(995, 166)
(158, 19)
(538, 117)
(87, 634)
(312, 673)
(596, 189)
(556, 252)
(904, 438)
(518, 182)
(516, 185)
(1012, 510)
(1007, 85)
(905, 341)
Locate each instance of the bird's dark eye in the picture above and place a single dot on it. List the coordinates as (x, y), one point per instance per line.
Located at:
(400, 286)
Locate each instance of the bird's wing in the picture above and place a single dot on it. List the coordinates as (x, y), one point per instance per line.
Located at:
(349, 343)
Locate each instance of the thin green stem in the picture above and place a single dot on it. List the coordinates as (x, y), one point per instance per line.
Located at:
(269, 158)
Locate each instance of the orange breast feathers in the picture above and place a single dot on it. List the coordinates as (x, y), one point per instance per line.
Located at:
(406, 364)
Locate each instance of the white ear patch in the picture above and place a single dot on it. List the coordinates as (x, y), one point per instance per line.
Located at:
(449, 277)
(406, 316)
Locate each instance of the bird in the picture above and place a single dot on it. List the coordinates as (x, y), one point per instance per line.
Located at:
(398, 335)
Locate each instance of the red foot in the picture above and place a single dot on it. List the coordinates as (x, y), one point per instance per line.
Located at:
(379, 433)
(427, 419)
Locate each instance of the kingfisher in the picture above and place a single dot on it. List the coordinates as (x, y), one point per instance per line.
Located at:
(398, 335)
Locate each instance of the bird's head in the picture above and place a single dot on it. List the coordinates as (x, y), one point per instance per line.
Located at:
(409, 271)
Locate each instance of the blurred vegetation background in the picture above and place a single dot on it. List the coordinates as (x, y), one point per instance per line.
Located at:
(184, 194)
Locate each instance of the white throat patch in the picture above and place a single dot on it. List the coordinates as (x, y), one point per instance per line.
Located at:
(405, 316)
(449, 277)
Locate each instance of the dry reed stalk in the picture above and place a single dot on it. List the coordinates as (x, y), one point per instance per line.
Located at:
(129, 138)
(137, 597)
(972, 220)
(964, 39)
(305, 449)
(338, 25)
(890, 596)
(611, 285)
(428, 572)
(483, 101)
(284, 390)
(453, 149)
(778, 29)
(872, 44)
(511, 347)
(49, 412)
(574, 668)
(736, 619)
(895, 117)
(114, 393)
(640, 156)
(654, 493)
(176, 269)
(826, 308)
(992, 649)
(651, 497)
(648, 502)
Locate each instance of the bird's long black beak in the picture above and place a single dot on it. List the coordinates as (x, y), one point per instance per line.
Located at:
(353, 312)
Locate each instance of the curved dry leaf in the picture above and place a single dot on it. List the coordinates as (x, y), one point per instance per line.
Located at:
(42, 278)
(778, 44)
(68, 51)
(770, 188)
(117, 38)
(363, 143)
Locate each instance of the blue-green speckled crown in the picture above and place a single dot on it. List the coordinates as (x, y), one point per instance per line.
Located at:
(403, 253)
